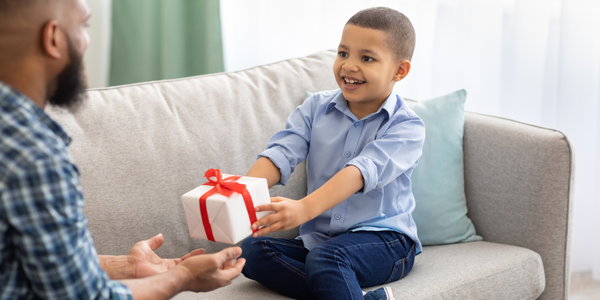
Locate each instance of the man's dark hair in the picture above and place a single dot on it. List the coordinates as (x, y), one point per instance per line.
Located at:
(11, 6)
(400, 32)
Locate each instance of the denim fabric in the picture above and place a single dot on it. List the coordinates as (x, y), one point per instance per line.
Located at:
(335, 269)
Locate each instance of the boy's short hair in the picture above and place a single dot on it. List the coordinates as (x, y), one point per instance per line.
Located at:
(400, 32)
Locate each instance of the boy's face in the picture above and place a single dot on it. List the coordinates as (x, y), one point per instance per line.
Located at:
(365, 69)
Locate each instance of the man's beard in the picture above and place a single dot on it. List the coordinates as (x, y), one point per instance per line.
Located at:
(71, 83)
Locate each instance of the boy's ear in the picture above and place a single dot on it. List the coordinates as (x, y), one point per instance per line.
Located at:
(402, 70)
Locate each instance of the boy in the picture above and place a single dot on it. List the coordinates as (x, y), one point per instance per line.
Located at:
(364, 142)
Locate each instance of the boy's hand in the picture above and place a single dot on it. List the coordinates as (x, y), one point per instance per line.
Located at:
(287, 215)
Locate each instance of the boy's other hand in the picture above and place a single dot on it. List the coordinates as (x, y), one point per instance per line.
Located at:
(287, 214)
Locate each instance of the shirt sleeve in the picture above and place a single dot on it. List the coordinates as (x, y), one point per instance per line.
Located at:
(394, 153)
(289, 147)
(53, 244)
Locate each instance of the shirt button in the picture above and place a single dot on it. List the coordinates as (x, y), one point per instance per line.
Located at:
(337, 216)
(356, 124)
(348, 154)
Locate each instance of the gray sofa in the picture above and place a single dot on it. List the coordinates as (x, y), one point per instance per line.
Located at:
(140, 147)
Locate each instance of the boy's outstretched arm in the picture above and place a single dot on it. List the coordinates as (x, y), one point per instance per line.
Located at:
(290, 213)
(264, 168)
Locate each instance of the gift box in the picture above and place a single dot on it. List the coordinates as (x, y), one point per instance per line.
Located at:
(222, 209)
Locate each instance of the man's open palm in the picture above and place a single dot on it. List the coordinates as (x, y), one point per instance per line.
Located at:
(147, 263)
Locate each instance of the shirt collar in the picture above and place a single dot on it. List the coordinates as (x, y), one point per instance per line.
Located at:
(16, 98)
(391, 103)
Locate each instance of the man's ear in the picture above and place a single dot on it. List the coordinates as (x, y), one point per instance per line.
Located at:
(402, 70)
(52, 39)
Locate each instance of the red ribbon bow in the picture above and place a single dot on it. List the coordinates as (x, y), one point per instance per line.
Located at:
(225, 187)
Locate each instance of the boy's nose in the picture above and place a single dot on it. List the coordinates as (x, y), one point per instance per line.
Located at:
(350, 67)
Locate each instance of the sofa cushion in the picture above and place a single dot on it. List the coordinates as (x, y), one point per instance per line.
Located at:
(458, 271)
(438, 181)
(140, 147)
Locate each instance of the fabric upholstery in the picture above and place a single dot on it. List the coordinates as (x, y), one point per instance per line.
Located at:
(478, 270)
(517, 182)
(140, 147)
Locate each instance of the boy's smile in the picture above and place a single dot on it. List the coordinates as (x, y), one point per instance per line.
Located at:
(366, 69)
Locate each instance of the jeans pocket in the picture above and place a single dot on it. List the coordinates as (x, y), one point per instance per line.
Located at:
(403, 266)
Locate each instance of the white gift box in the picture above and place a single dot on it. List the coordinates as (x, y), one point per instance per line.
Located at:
(228, 216)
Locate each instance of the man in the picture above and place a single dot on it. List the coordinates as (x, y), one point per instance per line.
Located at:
(46, 250)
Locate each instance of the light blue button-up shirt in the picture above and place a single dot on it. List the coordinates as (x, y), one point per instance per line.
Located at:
(385, 146)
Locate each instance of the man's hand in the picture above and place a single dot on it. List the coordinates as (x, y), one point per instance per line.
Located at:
(196, 272)
(211, 271)
(147, 263)
(141, 260)
(287, 215)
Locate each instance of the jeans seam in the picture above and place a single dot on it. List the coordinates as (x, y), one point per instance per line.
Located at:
(403, 264)
(285, 264)
(346, 280)
(404, 261)
(336, 252)
(390, 243)
(274, 241)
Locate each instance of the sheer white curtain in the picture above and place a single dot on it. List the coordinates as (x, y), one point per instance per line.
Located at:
(97, 56)
(536, 61)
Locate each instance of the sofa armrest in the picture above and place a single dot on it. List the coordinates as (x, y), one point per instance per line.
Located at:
(518, 183)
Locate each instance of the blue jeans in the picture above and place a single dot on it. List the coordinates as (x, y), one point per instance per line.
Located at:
(335, 269)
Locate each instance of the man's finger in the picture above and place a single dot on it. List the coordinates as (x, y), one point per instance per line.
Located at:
(193, 253)
(227, 265)
(156, 241)
(197, 252)
(235, 270)
(228, 254)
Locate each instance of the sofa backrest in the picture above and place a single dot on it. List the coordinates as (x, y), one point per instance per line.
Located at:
(140, 147)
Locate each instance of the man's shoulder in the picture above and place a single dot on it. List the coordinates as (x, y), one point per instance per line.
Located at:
(26, 143)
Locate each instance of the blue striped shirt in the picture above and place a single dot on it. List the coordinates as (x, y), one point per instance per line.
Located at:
(385, 146)
(46, 250)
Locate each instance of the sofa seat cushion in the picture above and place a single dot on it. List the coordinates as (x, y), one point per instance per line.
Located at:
(456, 271)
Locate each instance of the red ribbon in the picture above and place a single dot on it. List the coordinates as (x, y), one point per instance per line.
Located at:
(225, 187)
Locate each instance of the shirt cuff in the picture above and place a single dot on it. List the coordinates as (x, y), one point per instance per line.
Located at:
(280, 161)
(368, 169)
(119, 291)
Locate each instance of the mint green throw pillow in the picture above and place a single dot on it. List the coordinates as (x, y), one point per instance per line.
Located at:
(438, 181)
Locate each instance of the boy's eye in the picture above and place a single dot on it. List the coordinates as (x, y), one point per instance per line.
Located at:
(367, 58)
(343, 54)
